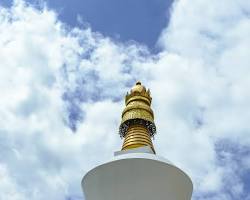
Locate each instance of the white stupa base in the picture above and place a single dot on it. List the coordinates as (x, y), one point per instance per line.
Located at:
(137, 176)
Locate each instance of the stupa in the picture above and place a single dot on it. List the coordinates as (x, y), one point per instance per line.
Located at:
(136, 172)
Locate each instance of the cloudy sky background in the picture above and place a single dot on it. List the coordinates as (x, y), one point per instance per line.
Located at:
(62, 84)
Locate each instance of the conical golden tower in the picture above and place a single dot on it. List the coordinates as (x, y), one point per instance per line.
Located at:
(137, 126)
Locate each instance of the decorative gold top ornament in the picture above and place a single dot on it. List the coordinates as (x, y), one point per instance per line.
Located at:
(138, 90)
(138, 103)
(137, 125)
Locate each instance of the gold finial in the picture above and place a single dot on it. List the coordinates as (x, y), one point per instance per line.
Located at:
(138, 87)
(137, 126)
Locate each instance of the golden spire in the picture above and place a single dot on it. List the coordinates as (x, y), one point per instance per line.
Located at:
(137, 126)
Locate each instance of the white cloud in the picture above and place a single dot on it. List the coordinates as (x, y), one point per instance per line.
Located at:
(49, 72)
(210, 39)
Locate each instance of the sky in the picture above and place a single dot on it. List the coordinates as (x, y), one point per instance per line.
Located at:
(140, 21)
(65, 68)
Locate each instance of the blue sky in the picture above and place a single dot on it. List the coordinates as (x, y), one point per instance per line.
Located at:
(141, 21)
(65, 68)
